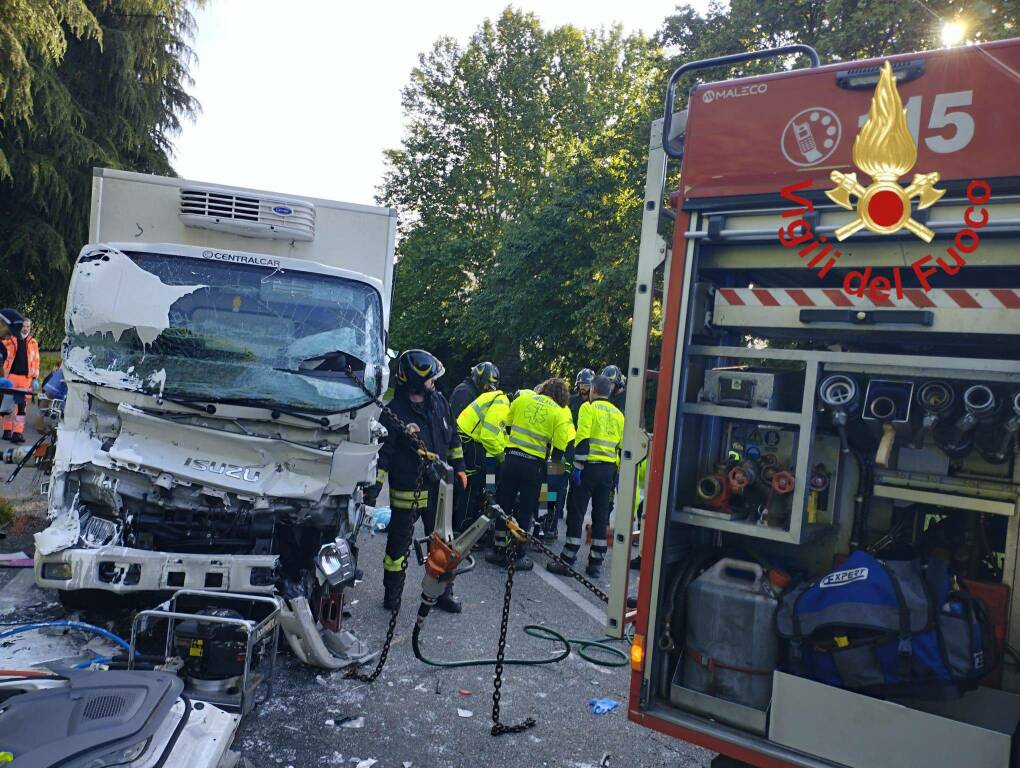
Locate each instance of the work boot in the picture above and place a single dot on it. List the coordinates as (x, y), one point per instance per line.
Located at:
(449, 602)
(555, 566)
(523, 562)
(7, 434)
(393, 588)
(17, 438)
(594, 569)
(496, 556)
(391, 596)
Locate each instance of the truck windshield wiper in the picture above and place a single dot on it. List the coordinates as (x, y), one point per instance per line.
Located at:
(195, 401)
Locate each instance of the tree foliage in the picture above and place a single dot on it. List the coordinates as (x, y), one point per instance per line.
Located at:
(519, 178)
(518, 184)
(83, 83)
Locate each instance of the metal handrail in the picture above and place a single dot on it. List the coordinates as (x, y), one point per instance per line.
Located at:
(722, 61)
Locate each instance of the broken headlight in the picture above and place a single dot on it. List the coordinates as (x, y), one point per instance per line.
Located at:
(335, 564)
(98, 531)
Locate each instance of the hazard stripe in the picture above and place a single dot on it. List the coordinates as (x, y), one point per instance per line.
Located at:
(801, 298)
(837, 297)
(917, 297)
(962, 298)
(1010, 299)
(949, 298)
(731, 296)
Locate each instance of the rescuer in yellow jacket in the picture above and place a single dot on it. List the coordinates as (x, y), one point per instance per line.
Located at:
(596, 459)
(540, 430)
(482, 427)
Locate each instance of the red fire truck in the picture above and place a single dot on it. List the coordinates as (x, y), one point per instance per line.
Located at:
(839, 377)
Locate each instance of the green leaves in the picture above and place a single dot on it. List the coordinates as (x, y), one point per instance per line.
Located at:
(83, 83)
(518, 184)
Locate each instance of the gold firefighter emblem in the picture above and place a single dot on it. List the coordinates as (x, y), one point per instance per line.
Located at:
(885, 150)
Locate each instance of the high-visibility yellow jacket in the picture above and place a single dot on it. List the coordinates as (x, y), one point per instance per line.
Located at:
(538, 425)
(599, 433)
(484, 421)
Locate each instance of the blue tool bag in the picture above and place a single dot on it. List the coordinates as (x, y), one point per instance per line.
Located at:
(888, 628)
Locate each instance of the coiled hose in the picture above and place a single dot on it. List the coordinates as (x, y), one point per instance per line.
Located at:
(614, 657)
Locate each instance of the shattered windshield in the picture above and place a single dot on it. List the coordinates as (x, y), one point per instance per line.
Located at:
(202, 328)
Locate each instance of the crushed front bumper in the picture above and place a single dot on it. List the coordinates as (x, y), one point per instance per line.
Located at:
(124, 570)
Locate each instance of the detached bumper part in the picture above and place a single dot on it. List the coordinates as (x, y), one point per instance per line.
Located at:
(318, 647)
(123, 570)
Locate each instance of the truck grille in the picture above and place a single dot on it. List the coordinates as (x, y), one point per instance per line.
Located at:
(223, 210)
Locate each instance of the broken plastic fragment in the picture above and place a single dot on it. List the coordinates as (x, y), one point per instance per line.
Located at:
(464, 712)
(352, 722)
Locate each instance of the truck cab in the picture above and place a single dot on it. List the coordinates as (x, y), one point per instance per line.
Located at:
(224, 349)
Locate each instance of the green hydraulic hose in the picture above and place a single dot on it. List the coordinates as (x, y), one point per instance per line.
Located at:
(585, 648)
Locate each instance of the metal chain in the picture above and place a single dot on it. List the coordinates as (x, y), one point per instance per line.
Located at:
(498, 728)
(423, 460)
(491, 506)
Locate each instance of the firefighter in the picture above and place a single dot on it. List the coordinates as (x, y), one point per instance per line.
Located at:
(20, 366)
(596, 459)
(540, 430)
(426, 414)
(582, 391)
(483, 378)
(615, 375)
(482, 426)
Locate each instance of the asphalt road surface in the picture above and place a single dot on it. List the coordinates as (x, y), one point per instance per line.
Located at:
(411, 712)
(421, 716)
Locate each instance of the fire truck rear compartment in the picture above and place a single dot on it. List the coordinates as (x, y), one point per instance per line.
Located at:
(809, 422)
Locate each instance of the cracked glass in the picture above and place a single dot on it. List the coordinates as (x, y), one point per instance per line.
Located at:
(248, 333)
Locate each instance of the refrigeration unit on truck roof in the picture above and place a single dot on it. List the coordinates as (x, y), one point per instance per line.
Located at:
(135, 207)
(839, 377)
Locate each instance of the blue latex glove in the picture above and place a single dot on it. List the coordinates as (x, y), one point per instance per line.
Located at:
(575, 477)
(602, 706)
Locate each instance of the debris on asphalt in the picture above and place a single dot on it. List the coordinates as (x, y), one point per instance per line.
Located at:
(381, 518)
(352, 722)
(602, 706)
(365, 763)
(331, 722)
(464, 712)
(421, 687)
(463, 692)
(604, 762)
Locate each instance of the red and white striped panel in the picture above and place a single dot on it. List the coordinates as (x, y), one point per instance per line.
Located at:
(913, 298)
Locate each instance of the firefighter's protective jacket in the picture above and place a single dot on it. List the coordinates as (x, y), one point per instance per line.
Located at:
(398, 459)
(484, 421)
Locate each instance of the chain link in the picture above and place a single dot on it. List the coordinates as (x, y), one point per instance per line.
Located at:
(498, 728)
(495, 509)
(423, 461)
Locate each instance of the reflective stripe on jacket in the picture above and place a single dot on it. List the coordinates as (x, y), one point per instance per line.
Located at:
(32, 355)
(599, 433)
(484, 421)
(537, 424)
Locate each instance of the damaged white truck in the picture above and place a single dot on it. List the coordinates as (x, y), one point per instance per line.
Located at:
(217, 432)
